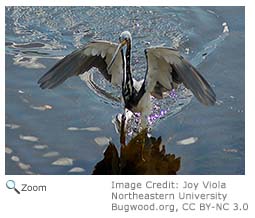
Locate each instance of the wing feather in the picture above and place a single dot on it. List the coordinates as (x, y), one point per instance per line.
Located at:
(95, 54)
(166, 69)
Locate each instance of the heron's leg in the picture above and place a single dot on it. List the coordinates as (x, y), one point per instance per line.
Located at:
(145, 108)
(144, 121)
(122, 130)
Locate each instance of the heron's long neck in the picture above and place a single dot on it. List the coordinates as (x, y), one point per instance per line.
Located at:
(127, 82)
(128, 58)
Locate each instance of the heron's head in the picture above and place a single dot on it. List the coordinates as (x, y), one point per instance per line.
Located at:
(125, 39)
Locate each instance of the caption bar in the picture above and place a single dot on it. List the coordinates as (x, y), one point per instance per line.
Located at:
(174, 197)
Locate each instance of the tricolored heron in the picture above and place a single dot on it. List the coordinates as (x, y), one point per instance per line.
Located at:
(166, 69)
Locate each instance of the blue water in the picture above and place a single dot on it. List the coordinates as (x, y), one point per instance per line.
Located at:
(49, 131)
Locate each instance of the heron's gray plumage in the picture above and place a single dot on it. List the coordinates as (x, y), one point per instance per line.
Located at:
(95, 54)
(193, 80)
(166, 69)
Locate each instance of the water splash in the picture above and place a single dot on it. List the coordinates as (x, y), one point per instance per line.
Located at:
(172, 103)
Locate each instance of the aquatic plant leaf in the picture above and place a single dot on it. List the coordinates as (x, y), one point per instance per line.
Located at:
(12, 125)
(187, 141)
(29, 138)
(8, 150)
(76, 170)
(15, 158)
(51, 154)
(64, 161)
(24, 166)
(101, 141)
(40, 147)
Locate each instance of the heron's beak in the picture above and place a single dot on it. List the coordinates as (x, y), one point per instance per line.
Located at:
(121, 44)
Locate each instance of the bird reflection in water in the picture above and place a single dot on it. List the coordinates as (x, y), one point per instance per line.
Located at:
(142, 155)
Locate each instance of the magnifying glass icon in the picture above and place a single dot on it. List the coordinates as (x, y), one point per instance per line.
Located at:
(10, 184)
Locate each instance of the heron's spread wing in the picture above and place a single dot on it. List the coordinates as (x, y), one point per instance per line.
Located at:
(166, 69)
(95, 54)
